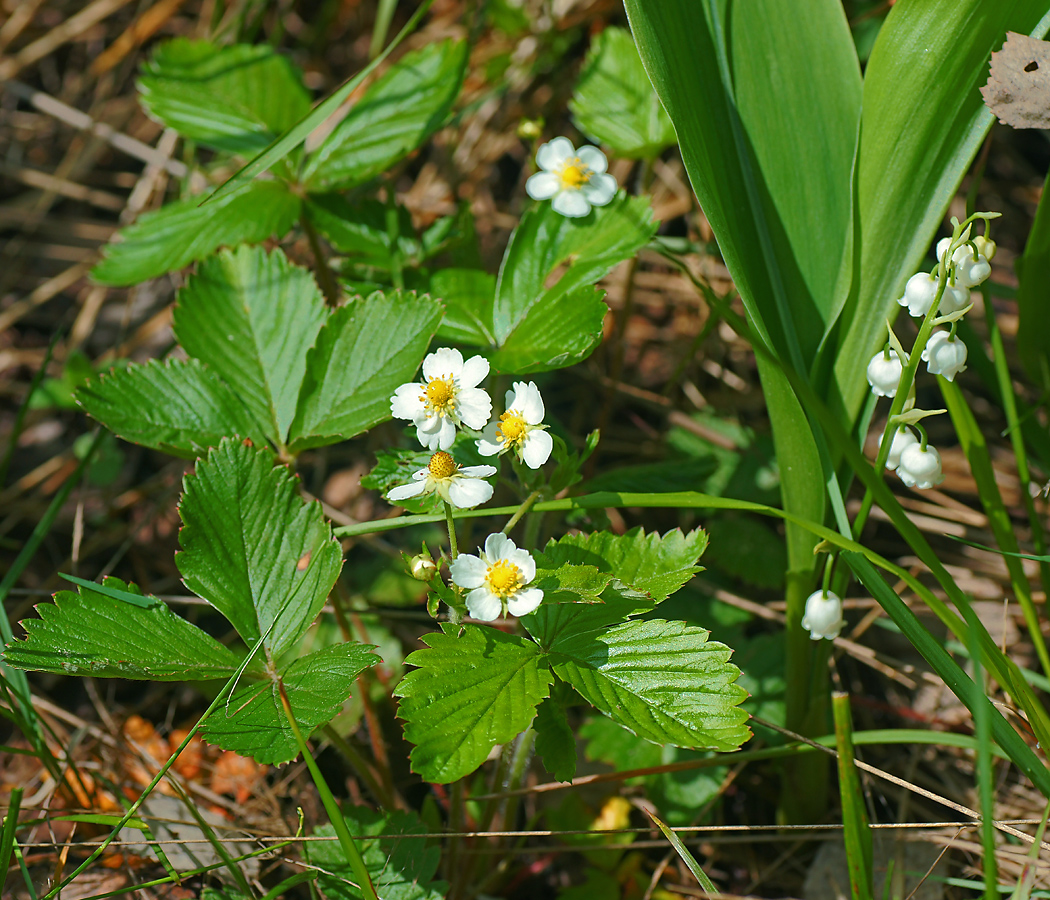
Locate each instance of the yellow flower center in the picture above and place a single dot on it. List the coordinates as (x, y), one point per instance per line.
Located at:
(442, 465)
(441, 394)
(504, 578)
(575, 174)
(512, 428)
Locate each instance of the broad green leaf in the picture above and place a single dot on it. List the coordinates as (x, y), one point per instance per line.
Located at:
(401, 868)
(467, 295)
(614, 102)
(567, 583)
(655, 564)
(184, 231)
(555, 742)
(924, 120)
(361, 228)
(235, 98)
(539, 326)
(365, 350)
(179, 406)
(1033, 305)
(253, 548)
(411, 100)
(553, 621)
(766, 104)
(663, 680)
(467, 694)
(91, 633)
(253, 722)
(252, 317)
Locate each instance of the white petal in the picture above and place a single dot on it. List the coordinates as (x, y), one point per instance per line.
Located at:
(571, 204)
(600, 189)
(498, 546)
(524, 602)
(465, 493)
(524, 561)
(536, 448)
(554, 154)
(468, 571)
(593, 159)
(442, 363)
(487, 448)
(404, 491)
(483, 604)
(429, 439)
(474, 407)
(475, 370)
(542, 185)
(446, 436)
(477, 471)
(532, 403)
(406, 402)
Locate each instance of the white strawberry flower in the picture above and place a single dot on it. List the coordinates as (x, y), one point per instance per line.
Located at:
(461, 486)
(573, 180)
(884, 373)
(447, 398)
(498, 577)
(823, 618)
(902, 437)
(520, 428)
(945, 355)
(920, 467)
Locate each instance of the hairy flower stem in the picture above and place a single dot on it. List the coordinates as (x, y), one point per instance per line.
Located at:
(450, 522)
(526, 505)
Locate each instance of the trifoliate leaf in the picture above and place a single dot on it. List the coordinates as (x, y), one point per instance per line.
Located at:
(365, 351)
(663, 680)
(180, 406)
(236, 98)
(393, 117)
(555, 742)
(401, 868)
(467, 694)
(92, 633)
(184, 231)
(253, 548)
(252, 317)
(614, 102)
(253, 722)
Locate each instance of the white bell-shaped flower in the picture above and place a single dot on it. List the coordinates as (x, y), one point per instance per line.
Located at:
(884, 373)
(902, 437)
(986, 247)
(920, 468)
(919, 293)
(969, 272)
(954, 298)
(823, 618)
(945, 355)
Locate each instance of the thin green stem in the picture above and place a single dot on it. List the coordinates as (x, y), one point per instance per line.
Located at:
(526, 504)
(335, 815)
(450, 522)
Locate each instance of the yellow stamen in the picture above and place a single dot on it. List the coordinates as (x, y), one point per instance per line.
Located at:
(504, 578)
(575, 174)
(442, 465)
(441, 394)
(512, 428)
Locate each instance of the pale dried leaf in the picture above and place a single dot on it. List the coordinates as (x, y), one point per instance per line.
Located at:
(1018, 88)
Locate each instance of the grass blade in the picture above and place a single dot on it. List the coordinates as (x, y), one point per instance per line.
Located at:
(854, 814)
(698, 873)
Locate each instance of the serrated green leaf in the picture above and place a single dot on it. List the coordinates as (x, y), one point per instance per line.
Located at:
(91, 633)
(539, 327)
(253, 548)
(614, 102)
(568, 583)
(252, 317)
(551, 621)
(467, 295)
(361, 228)
(663, 680)
(179, 406)
(184, 231)
(394, 116)
(365, 350)
(467, 694)
(401, 868)
(235, 98)
(253, 722)
(555, 742)
(655, 564)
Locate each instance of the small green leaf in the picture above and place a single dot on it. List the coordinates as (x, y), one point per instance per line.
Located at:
(361, 228)
(253, 722)
(365, 350)
(252, 317)
(92, 633)
(233, 98)
(467, 295)
(252, 548)
(663, 680)
(179, 406)
(184, 231)
(468, 694)
(394, 116)
(555, 742)
(615, 103)
(400, 868)
(569, 583)
(552, 621)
